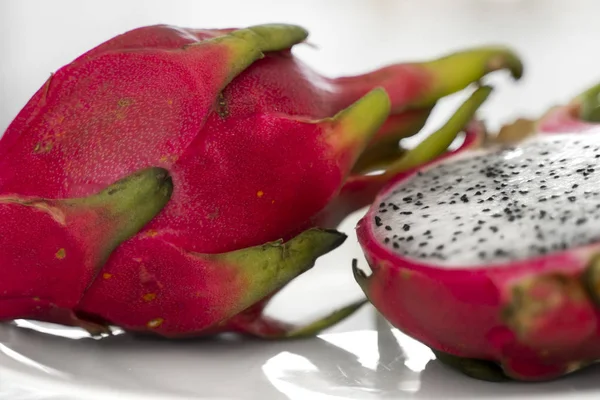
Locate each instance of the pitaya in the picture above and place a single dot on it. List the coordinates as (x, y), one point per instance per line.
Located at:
(490, 255)
(256, 144)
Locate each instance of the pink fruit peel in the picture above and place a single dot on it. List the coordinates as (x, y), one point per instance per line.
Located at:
(483, 280)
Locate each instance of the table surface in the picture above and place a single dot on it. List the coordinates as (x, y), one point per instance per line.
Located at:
(557, 40)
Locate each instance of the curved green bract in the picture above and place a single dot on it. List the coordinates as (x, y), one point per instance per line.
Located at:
(355, 126)
(319, 325)
(130, 203)
(270, 266)
(248, 45)
(479, 369)
(591, 279)
(590, 104)
(438, 142)
(458, 70)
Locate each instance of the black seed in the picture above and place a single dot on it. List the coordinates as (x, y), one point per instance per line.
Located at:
(406, 227)
(464, 198)
(494, 229)
(378, 221)
(539, 236)
(410, 238)
(406, 212)
(572, 198)
(386, 240)
(396, 245)
(500, 253)
(388, 228)
(422, 244)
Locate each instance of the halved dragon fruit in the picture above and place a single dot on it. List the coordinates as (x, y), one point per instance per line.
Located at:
(490, 255)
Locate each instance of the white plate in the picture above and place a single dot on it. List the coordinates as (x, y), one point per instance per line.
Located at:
(374, 363)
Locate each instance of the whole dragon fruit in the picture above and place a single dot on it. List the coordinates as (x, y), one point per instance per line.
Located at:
(247, 147)
(490, 254)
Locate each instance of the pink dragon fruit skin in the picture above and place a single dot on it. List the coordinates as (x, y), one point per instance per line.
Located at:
(531, 318)
(256, 146)
(73, 238)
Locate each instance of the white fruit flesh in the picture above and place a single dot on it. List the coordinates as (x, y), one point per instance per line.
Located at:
(497, 205)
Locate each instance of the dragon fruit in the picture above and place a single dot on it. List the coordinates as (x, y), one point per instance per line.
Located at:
(489, 254)
(257, 147)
